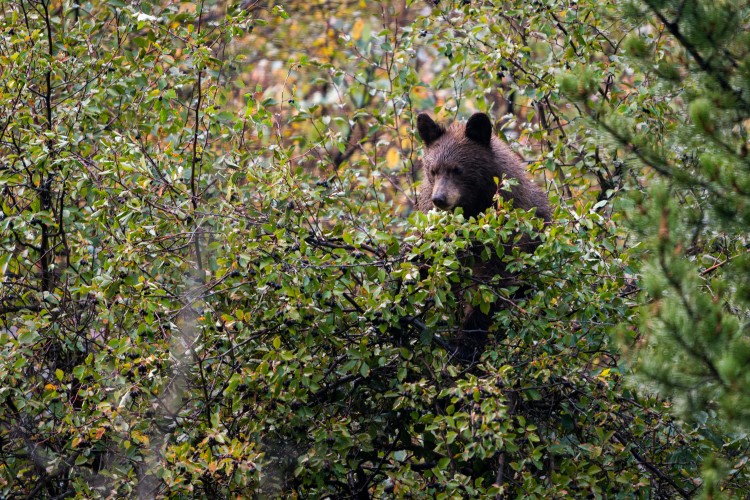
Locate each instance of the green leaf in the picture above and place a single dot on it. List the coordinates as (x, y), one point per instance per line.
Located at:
(27, 337)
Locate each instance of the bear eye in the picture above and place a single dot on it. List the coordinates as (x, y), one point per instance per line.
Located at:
(458, 170)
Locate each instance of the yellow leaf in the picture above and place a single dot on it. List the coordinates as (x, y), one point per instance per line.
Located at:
(420, 92)
(359, 25)
(140, 438)
(391, 158)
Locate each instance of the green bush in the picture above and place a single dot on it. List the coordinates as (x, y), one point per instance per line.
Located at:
(214, 282)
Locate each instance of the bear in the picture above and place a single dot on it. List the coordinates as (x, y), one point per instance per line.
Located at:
(460, 166)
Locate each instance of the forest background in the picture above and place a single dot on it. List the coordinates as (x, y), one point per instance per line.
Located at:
(215, 284)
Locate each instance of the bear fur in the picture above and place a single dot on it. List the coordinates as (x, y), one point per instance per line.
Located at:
(460, 164)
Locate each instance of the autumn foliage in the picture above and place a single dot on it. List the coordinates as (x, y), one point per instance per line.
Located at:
(215, 282)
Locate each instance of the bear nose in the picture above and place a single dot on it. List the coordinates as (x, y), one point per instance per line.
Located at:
(440, 201)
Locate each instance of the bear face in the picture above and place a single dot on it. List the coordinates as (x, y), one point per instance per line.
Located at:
(463, 165)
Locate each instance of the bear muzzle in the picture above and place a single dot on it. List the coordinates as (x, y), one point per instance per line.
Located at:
(445, 195)
(440, 201)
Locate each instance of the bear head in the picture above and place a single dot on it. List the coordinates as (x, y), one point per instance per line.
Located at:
(459, 163)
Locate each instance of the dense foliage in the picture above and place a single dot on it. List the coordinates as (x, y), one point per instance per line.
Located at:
(687, 120)
(214, 282)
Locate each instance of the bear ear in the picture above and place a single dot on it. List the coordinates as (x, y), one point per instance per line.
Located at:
(428, 130)
(479, 129)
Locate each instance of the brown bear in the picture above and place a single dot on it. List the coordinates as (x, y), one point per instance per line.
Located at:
(461, 164)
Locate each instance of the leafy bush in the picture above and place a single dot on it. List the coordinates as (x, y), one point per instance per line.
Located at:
(215, 283)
